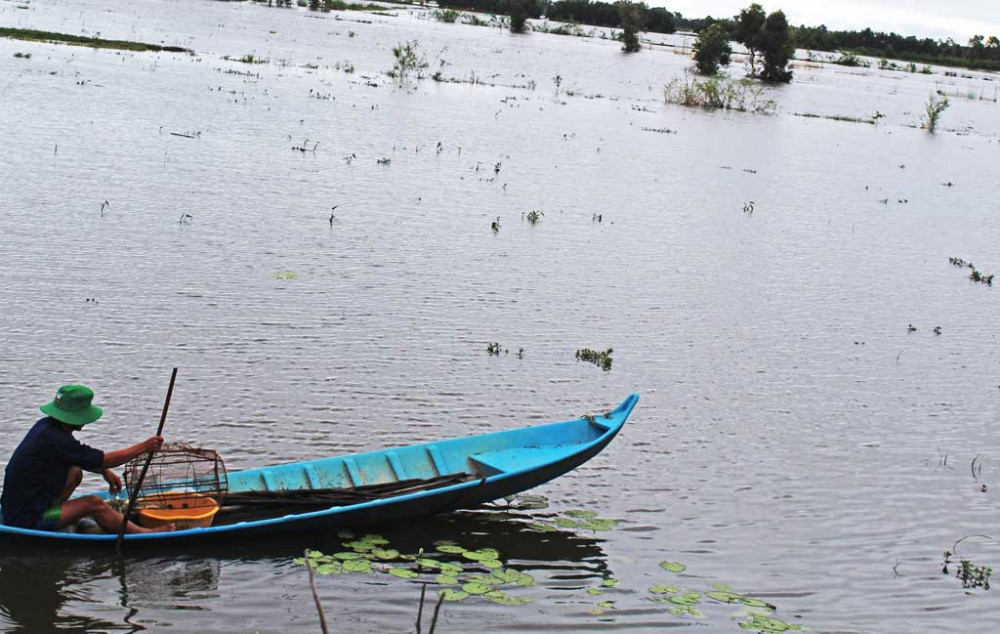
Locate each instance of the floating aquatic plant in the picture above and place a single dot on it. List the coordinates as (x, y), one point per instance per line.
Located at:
(493, 349)
(285, 275)
(534, 216)
(971, 575)
(757, 622)
(370, 555)
(673, 566)
(602, 359)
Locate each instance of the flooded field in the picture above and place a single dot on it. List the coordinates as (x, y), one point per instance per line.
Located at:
(820, 384)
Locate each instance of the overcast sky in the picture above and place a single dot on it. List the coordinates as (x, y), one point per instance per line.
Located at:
(958, 19)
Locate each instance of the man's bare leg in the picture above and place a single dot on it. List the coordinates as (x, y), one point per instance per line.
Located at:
(106, 517)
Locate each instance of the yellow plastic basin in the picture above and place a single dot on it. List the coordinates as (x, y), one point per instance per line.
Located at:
(184, 510)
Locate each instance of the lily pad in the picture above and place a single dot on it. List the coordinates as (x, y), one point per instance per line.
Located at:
(385, 554)
(562, 522)
(481, 554)
(756, 603)
(723, 596)
(508, 575)
(543, 528)
(492, 564)
(403, 573)
(429, 563)
(661, 589)
(769, 624)
(606, 605)
(300, 561)
(581, 514)
(486, 580)
(610, 583)
(597, 524)
(686, 610)
(500, 597)
(689, 598)
(453, 595)
(450, 569)
(594, 591)
(477, 588)
(446, 580)
(450, 549)
(357, 565)
(378, 540)
(334, 568)
(315, 554)
(673, 566)
(346, 556)
(360, 545)
(345, 535)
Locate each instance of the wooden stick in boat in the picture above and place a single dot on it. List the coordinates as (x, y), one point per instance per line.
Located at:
(142, 474)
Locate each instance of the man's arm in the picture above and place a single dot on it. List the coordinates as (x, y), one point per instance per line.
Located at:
(119, 457)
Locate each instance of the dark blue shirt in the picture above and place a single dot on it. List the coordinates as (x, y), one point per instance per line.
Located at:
(37, 472)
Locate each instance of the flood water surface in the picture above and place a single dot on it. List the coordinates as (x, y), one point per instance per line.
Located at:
(820, 385)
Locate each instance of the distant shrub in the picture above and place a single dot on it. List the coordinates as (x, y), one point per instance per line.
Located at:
(408, 60)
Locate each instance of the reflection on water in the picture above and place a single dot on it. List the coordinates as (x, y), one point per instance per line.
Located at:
(72, 591)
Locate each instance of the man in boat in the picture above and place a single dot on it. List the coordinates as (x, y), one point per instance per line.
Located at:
(49, 463)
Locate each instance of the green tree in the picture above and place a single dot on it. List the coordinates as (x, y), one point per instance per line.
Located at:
(631, 21)
(977, 47)
(519, 10)
(777, 48)
(747, 30)
(712, 49)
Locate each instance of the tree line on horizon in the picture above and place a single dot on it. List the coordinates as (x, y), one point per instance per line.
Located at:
(981, 52)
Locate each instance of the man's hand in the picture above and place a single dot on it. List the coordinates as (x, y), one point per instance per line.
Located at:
(152, 444)
(114, 482)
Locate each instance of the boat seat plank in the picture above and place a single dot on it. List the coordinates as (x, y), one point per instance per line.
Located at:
(507, 460)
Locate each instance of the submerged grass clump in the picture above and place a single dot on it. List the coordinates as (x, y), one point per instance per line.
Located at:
(32, 35)
(534, 216)
(601, 359)
(844, 118)
(718, 93)
(936, 104)
(975, 275)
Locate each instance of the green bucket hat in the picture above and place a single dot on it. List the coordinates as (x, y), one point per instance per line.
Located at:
(72, 406)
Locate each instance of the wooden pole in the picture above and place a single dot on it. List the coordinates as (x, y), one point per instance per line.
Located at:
(142, 474)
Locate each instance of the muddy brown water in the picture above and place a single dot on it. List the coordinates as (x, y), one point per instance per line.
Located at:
(795, 440)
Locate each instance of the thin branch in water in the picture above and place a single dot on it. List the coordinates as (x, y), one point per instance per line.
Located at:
(420, 610)
(312, 584)
(437, 609)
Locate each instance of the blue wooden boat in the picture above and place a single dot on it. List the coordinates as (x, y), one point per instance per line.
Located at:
(480, 468)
